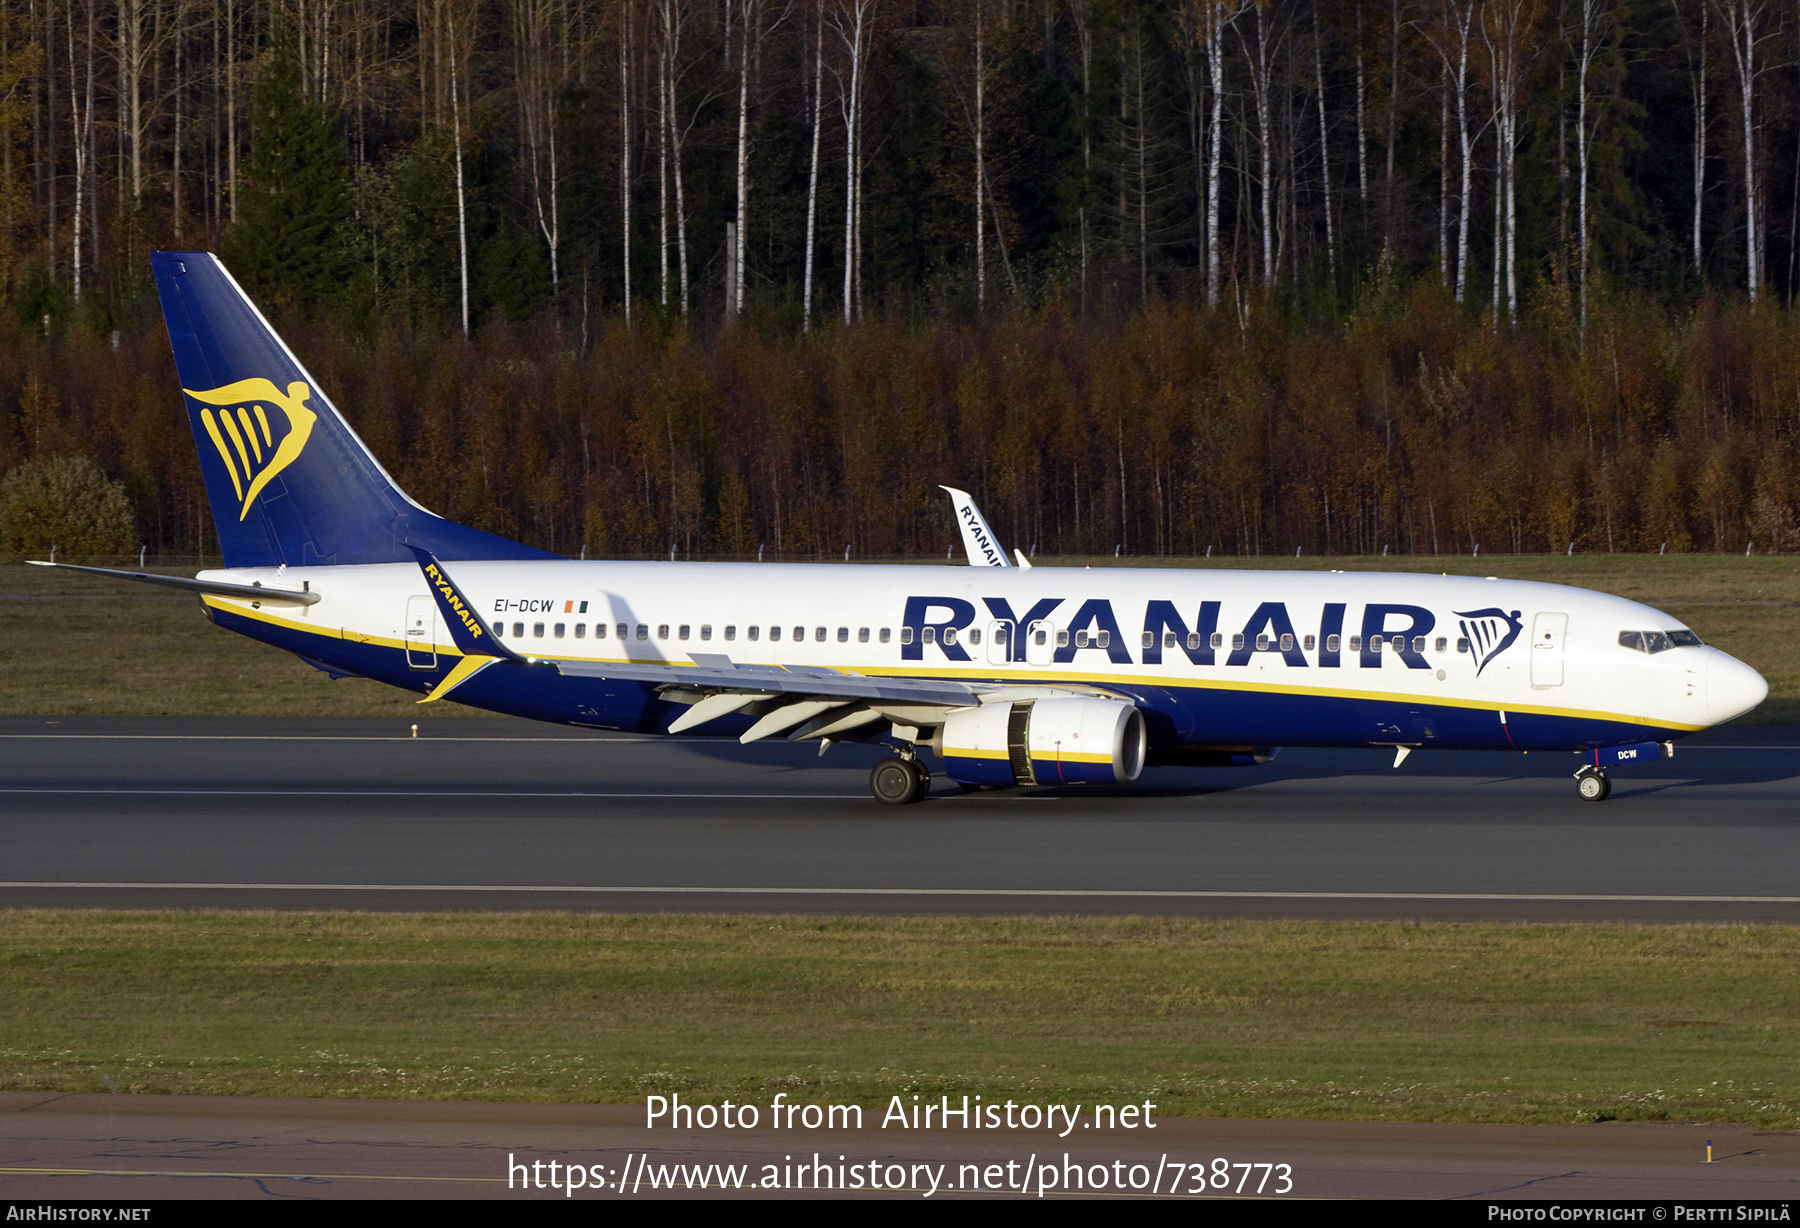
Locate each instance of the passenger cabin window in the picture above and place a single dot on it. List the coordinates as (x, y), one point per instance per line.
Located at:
(1218, 640)
(1462, 645)
(1062, 639)
(819, 635)
(581, 631)
(1262, 643)
(1237, 643)
(518, 629)
(643, 631)
(1310, 641)
(751, 634)
(662, 631)
(730, 633)
(862, 635)
(1441, 641)
(1356, 643)
(906, 635)
(800, 634)
(1081, 639)
(706, 631)
(624, 631)
(1041, 638)
(599, 631)
(844, 635)
(884, 636)
(1334, 643)
(682, 631)
(774, 635)
(559, 630)
(1194, 640)
(1287, 643)
(537, 629)
(975, 636)
(929, 635)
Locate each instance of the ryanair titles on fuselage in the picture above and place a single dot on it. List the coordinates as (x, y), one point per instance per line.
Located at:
(944, 622)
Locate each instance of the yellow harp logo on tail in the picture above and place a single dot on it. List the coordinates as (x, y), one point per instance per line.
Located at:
(253, 449)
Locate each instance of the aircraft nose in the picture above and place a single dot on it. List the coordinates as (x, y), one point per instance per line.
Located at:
(1732, 688)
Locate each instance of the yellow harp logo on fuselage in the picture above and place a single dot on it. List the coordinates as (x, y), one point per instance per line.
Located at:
(253, 449)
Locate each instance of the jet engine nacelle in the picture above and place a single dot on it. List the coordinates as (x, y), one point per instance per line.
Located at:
(1078, 740)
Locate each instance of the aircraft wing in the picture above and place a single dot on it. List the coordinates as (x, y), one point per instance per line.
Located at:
(821, 702)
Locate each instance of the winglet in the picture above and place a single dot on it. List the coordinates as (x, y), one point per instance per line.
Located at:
(978, 539)
(472, 638)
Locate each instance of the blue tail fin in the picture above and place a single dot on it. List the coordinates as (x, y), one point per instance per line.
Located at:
(288, 480)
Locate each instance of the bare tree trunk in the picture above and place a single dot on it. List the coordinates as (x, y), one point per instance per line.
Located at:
(625, 146)
(851, 20)
(1261, 82)
(1362, 109)
(80, 153)
(462, 220)
(663, 124)
(1741, 18)
(231, 138)
(812, 184)
(980, 162)
(1324, 141)
(534, 34)
(1084, 35)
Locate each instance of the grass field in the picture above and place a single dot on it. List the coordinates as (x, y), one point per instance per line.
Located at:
(85, 645)
(1438, 1022)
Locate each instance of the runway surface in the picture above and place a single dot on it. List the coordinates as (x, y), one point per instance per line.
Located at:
(89, 1147)
(504, 814)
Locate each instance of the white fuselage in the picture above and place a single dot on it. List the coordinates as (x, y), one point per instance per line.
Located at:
(1228, 657)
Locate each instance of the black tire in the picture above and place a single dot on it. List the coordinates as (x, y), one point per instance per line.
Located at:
(1593, 787)
(896, 782)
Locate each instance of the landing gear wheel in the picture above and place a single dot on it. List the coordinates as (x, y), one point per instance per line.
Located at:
(1593, 787)
(897, 781)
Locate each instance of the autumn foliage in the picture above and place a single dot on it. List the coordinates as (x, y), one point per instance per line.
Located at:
(1415, 427)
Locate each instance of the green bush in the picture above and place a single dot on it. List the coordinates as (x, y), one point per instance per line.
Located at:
(67, 502)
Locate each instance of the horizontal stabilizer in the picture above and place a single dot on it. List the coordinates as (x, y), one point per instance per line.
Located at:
(218, 588)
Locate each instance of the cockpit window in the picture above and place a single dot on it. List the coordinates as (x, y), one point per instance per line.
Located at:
(1654, 642)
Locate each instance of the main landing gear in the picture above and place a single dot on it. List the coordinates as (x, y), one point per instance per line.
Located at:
(1592, 784)
(900, 780)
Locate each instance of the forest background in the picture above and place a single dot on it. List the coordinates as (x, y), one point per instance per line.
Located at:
(642, 277)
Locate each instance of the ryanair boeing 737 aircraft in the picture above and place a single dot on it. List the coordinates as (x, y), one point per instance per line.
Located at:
(1009, 675)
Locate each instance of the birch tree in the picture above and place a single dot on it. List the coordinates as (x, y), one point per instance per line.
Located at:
(1508, 28)
(1450, 35)
(537, 25)
(1743, 19)
(853, 21)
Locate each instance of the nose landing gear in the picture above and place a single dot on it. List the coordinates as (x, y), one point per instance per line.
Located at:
(1592, 784)
(899, 781)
